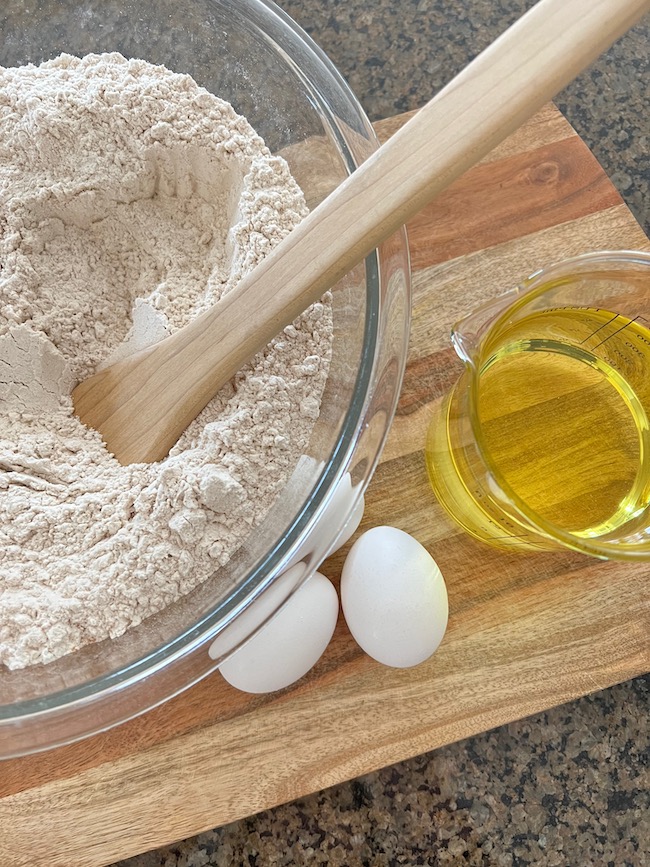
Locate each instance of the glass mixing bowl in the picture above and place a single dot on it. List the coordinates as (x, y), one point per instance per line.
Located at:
(250, 53)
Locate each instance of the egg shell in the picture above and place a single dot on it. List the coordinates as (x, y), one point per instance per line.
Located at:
(290, 644)
(394, 597)
(258, 612)
(326, 527)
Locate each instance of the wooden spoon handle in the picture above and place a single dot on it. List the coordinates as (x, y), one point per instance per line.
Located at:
(493, 96)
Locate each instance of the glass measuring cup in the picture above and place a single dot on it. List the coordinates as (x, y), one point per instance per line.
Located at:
(544, 441)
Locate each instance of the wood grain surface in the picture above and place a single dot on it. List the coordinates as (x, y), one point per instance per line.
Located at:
(141, 404)
(525, 632)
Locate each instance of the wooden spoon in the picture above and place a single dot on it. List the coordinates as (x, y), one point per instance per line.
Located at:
(142, 404)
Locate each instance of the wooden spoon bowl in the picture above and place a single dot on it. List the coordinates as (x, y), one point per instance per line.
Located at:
(143, 403)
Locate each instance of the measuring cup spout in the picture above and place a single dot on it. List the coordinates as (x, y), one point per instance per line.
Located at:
(468, 332)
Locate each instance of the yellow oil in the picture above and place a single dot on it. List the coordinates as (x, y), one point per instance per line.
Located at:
(562, 408)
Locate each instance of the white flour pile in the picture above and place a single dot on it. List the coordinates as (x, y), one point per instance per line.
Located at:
(130, 199)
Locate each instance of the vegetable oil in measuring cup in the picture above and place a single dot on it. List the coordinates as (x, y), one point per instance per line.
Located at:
(560, 410)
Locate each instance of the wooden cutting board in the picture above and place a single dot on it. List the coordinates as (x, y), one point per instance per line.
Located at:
(525, 632)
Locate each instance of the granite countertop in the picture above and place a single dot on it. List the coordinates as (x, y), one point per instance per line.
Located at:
(397, 55)
(565, 787)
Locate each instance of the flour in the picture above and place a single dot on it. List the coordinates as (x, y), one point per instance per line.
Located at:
(131, 200)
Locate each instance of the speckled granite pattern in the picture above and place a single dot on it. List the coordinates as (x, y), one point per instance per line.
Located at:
(568, 787)
(565, 788)
(396, 55)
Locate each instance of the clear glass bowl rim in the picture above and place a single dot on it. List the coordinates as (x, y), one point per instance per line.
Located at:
(75, 699)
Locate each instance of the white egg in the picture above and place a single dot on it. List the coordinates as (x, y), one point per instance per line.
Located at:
(352, 524)
(394, 597)
(258, 612)
(290, 644)
(326, 527)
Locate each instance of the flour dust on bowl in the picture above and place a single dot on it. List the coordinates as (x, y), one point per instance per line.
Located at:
(139, 234)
